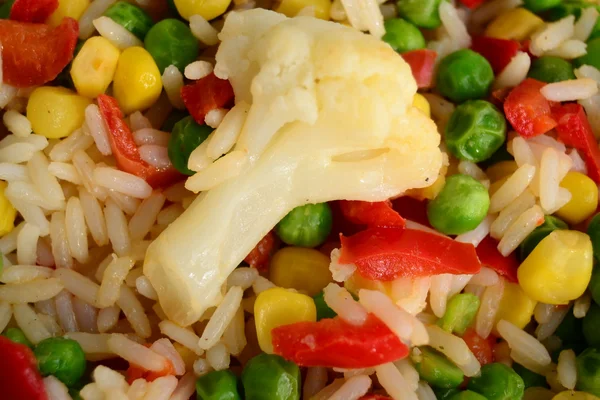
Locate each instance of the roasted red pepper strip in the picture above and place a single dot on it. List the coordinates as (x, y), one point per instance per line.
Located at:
(206, 94)
(498, 52)
(385, 254)
(125, 150)
(377, 214)
(574, 130)
(334, 343)
(488, 254)
(20, 378)
(34, 54)
(421, 63)
(527, 109)
(472, 3)
(261, 254)
(480, 347)
(36, 11)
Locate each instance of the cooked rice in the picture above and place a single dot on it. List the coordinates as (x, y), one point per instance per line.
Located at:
(221, 318)
(172, 80)
(490, 303)
(228, 131)
(17, 123)
(218, 357)
(341, 301)
(523, 343)
(151, 136)
(585, 24)
(27, 240)
(55, 389)
(183, 336)
(552, 35)
(134, 312)
(5, 314)
(185, 388)
(569, 49)
(24, 273)
(393, 382)
(438, 297)
(409, 373)
(567, 369)
(27, 319)
(353, 388)
(454, 348)
(515, 72)
(544, 330)
(582, 305)
(122, 182)
(485, 277)
(520, 229)
(214, 117)
(198, 70)
(113, 277)
(457, 31)
(514, 186)
(223, 169)
(203, 30)
(116, 33)
(570, 90)
(66, 314)
(135, 353)
(201, 367)
(156, 156)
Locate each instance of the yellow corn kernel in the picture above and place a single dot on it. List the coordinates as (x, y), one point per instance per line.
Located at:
(187, 355)
(67, 8)
(277, 307)
(496, 185)
(517, 24)
(573, 395)
(208, 9)
(299, 268)
(292, 7)
(584, 198)
(7, 212)
(559, 268)
(515, 306)
(501, 170)
(94, 66)
(137, 82)
(55, 112)
(421, 103)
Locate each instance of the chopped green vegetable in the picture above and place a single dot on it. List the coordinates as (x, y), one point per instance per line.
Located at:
(306, 226)
(498, 382)
(593, 55)
(467, 395)
(551, 69)
(5, 9)
(436, 369)
(591, 326)
(171, 42)
(464, 75)
(217, 385)
(530, 378)
(186, 136)
(537, 6)
(445, 394)
(323, 310)
(270, 377)
(550, 224)
(17, 336)
(460, 312)
(61, 357)
(402, 35)
(588, 371)
(130, 17)
(422, 13)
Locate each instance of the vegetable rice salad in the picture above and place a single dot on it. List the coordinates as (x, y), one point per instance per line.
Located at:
(299, 199)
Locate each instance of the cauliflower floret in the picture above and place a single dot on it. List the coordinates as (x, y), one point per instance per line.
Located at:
(330, 118)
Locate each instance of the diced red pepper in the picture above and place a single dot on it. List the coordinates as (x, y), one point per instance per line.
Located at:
(19, 377)
(36, 11)
(206, 94)
(377, 214)
(421, 63)
(261, 254)
(134, 372)
(125, 150)
(34, 54)
(498, 52)
(386, 254)
(472, 3)
(488, 254)
(412, 209)
(574, 130)
(334, 343)
(527, 109)
(480, 347)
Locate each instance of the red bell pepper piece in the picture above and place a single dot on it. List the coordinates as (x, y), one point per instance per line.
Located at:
(527, 109)
(125, 150)
(135, 372)
(488, 254)
(472, 3)
(36, 11)
(20, 378)
(385, 254)
(421, 63)
(498, 52)
(377, 214)
(206, 94)
(412, 209)
(334, 343)
(261, 254)
(480, 347)
(34, 54)
(574, 130)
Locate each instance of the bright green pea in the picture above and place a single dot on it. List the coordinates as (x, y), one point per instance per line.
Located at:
(186, 136)
(593, 55)
(537, 6)
(588, 371)
(271, 377)
(323, 310)
(460, 313)
(436, 369)
(306, 226)
(530, 378)
(17, 336)
(402, 35)
(467, 395)
(550, 224)
(217, 385)
(422, 13)
(130, 17)
(464, 75)
(591, 326)
(593, 232)
(171, 42)
(498, 382)
(5, 9)
(475, 131)
(61, 357)
(460, 206)
(551, 69)
(445, 394)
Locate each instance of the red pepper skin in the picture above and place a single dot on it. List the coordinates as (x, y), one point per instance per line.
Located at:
(488, 254)
(377, 214)
(421, 63)
(36, 11)
(34, 54)
(480, 347)
(125, 150)
(260, 255)
(498, 52)
(334, 343)
(527, 109)
(472, 4)
(206, 94)
(20, 378)
(385, 254)
(574, 130)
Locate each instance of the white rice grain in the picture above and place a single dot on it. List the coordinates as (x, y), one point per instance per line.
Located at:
(79, 285)
(126, 203)
(214, 117)
(518, 231)
(228, 131)
(393, 382)
(552, 35)
(341, 301)
(172, 80)
(85, 167)
(353, 389)
(116, 225)
(94, 217)
(155, 155)
(27, 319)
(243, 277)
(567, 369)
(490, 302)
(454, 348)
(92, 344)
(409, 373)
(91, 391)
(234, 336)
(134, 312)
(203, 30)
(509, 214)
(64, 150)
(485, 277)
(27, 240)
(136, 353)
(108, 318)
(546, 329)
(185, 388)
(218, 357)
(165, 348)
(198, 70)
(411, 294)
(122, 182)
(221, 318)
(201, 367)
(223, 169)
(144, 287)
(340, 272)
(5, 314)
(115, 33)
(570, 90)
(17, 123)
(30, 292)
(514, 186)
(523, 343)
(454, 25)
(97, 129)
(582, 305)
(24, 273)
(569, 49)
(440, 287)
(491, 9)
(65, 172)
(585, 24)
(145, 216)
(161, 388)
(7, 94)
(151, 136)
(13, 172)
(93, 11)
(549, 177)
(199, 159)
(113, 277)
(515, 72)
(55, 389)
(60, 245)
(76, 230)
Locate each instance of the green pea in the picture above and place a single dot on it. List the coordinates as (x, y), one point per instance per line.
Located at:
(61, 357)
(530, 378)
(5, 9)
(402, 35)
(445, 394)
(498, 382)
(570, 332)
(588, 371)
(534, 238)
(566, 8)
(17, 336)
(130, 17)
(271, 377)
(422, 13)
(174, 117)
(323, 310)
(475, 131)
(464, 75)
(460, 313)
(591, 326)
(217, 385)
(537, 6)
(460, 206)
(186, 136)
(551, 69)
(593, 232)
(74, 393)
(171, 42)
(436, 369)
(593, 55)
(306, 226)
(467, 395)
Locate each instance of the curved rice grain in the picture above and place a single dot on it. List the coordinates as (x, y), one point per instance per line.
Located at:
(151, 136)
(156, 156)
(567, 369)
(27, 241)
(30, 324)
(552, 35)
(79, 285)
(438, 293)
(24, 273)
(76, 230)
(94, 217)
(165, 348)
(28, 193)
(221, 318)
(409, 373)
(97, 129)
(510, 214)
(393, 382)
(122, 182)
(13, 172)
(490, 302)
(65, 172)
(161, 388)
(86, 316)
(31, 214)
(228, 131)
(66, 149)
(55, 389)
(514, 186)
(520, 229)
(128, 204)
(85, 167)
(58, 236)
(353, 388)
(485, 277)
(108, 318)
(218, 357)
(115, 33)
(116, 225)
(523, 343)
(134, 312)
(66, 314)
(585, 24)
(145, 216)
(203, 30)
(570, 90)
(454, 348)
(223, 169)
(185, 388)
(399, 321)
(341, 301)
(30, 292)
(544, 330)
(144, 287)
(136, 353)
